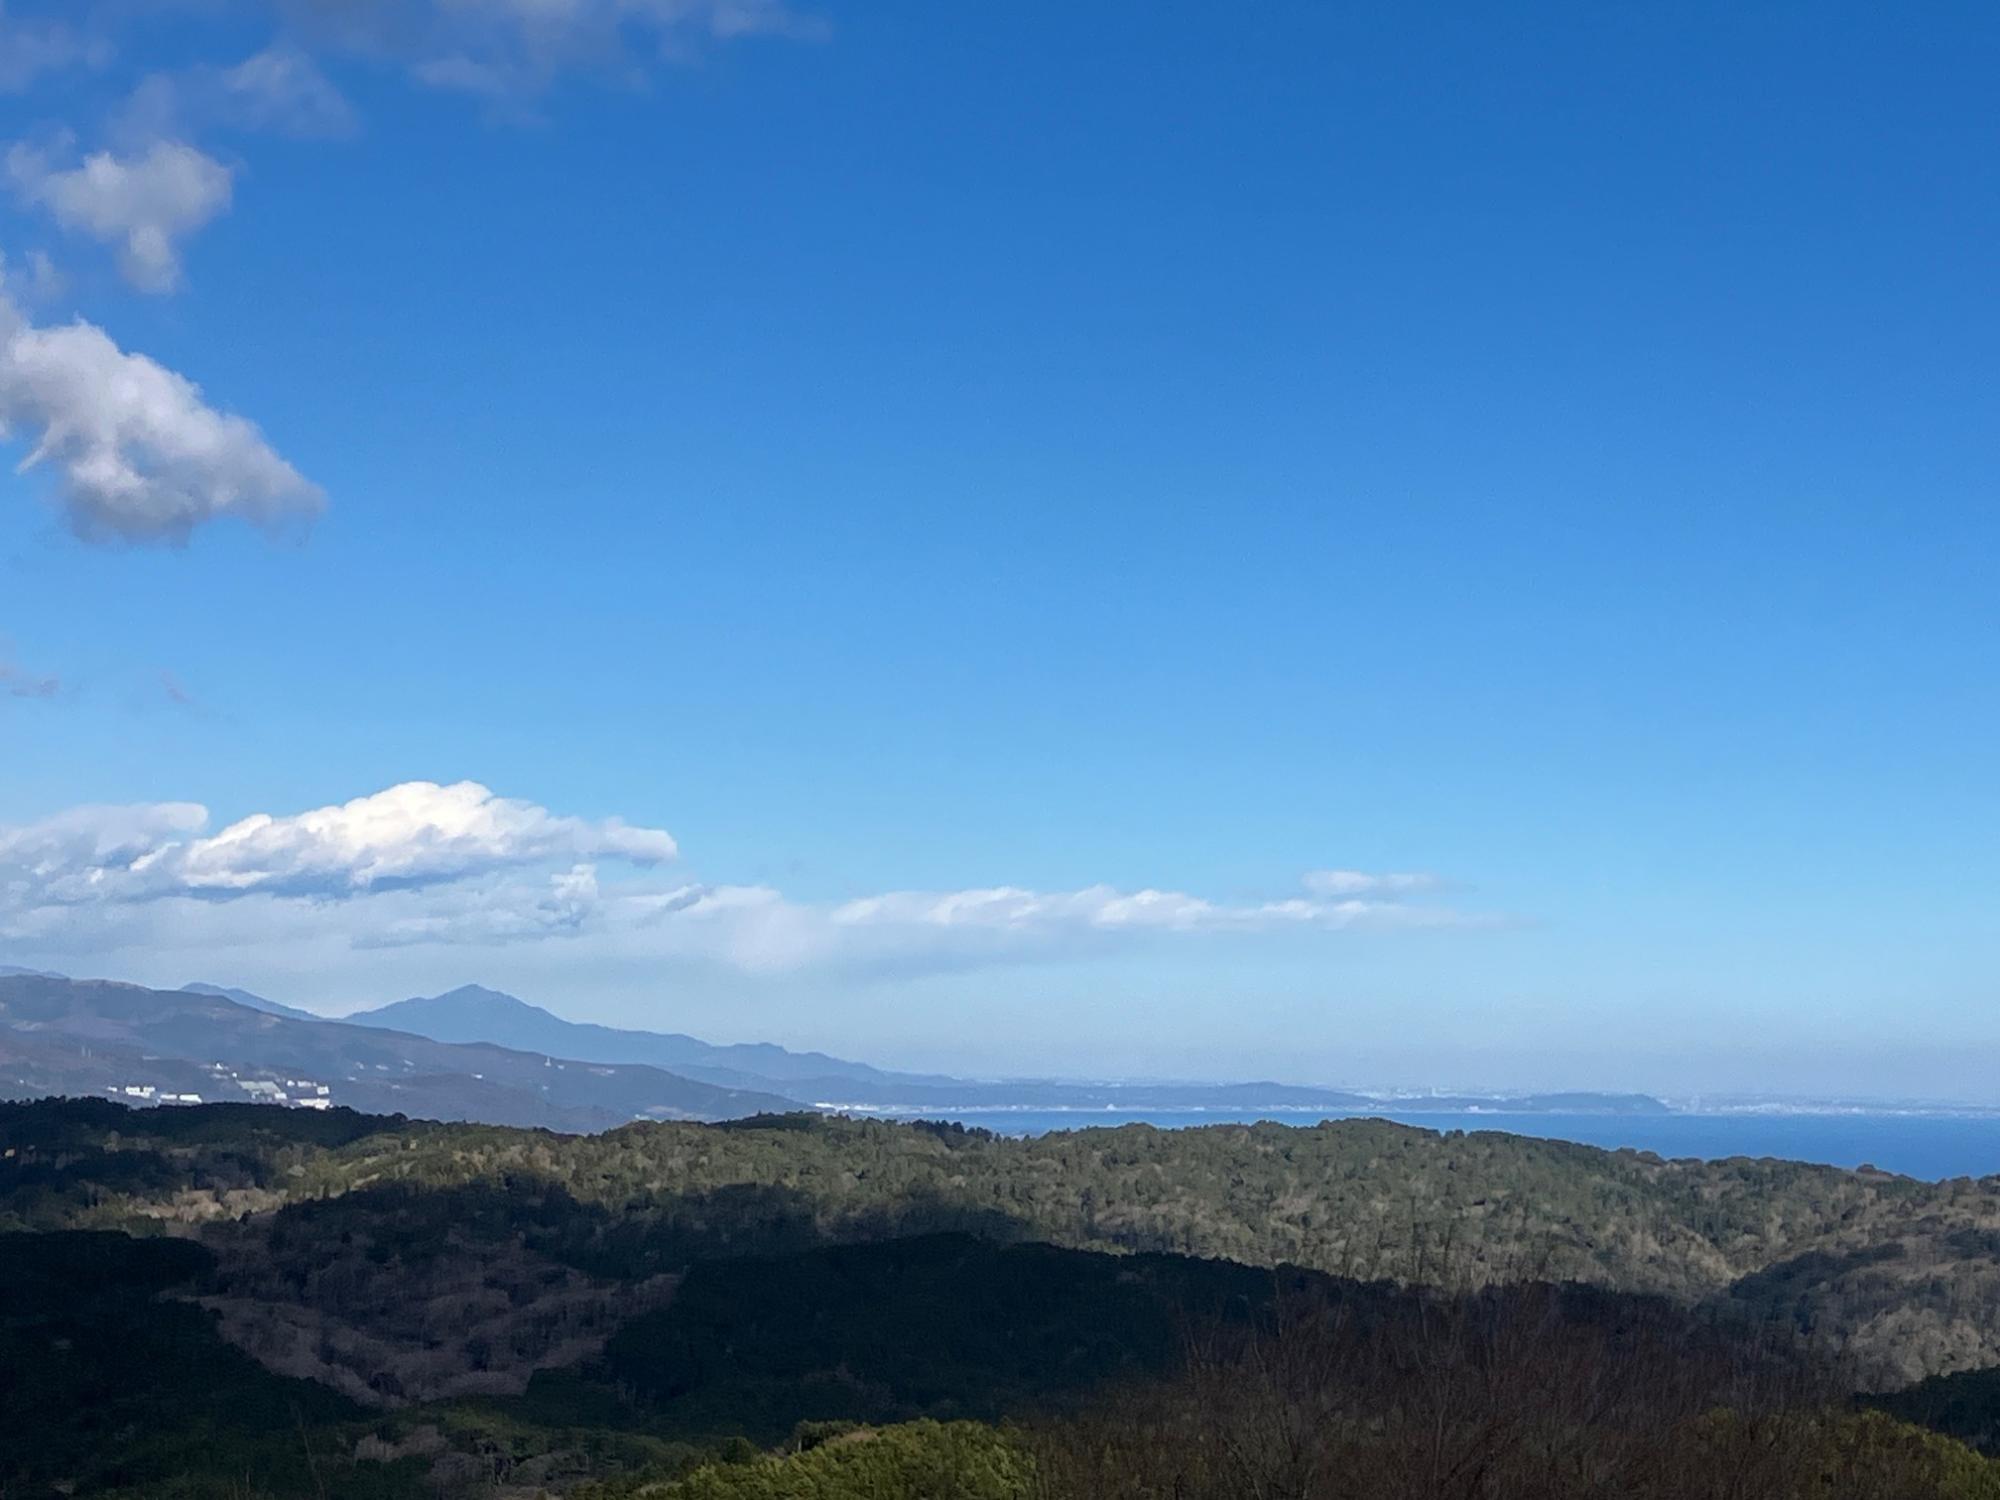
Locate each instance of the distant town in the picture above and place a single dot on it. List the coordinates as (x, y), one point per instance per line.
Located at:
(291, 1093)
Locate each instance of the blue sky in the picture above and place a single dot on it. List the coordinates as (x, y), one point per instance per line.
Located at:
(913, 452)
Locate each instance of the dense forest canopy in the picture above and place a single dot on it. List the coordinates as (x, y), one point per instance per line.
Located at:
(659, 1308)
(1901, 1276)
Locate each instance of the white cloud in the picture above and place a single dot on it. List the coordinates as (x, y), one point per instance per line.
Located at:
(143, 203)
(66, 856)
(138, 455)
(423, 865)
(415, 834)
(947, 928)
(1096, 908)
(409, 836)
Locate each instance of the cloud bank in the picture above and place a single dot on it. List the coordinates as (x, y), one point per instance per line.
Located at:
(409, 836)
(423, 864)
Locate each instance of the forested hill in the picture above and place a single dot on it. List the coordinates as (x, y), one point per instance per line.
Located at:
(1901, 1277)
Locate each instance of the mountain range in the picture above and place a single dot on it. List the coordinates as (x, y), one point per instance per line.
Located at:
(479, 1054)
(65, 1036)
(472, 1013)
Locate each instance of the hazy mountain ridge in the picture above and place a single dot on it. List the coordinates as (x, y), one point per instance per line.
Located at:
(473, 1015)
(255, 1002)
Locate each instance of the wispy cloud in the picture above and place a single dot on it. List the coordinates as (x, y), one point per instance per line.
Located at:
(17, 682)
(1361, 883)
(280, 89)
(514, 49)
(39, 281)
(31, 47)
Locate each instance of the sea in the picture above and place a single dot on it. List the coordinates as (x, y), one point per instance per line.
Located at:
(1913, 1144)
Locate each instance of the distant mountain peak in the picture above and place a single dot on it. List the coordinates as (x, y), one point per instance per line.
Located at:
(479, 994)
